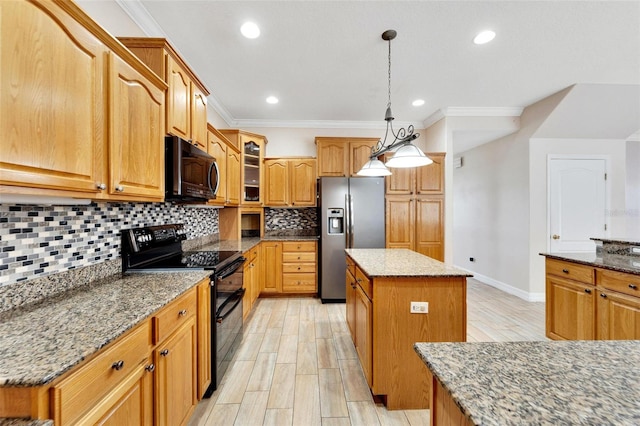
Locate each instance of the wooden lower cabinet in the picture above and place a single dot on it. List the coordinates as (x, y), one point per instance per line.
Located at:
(272, 272)
(384, 331)
(571, 313)
(252, 279)
(299, 267)
(176, 361)
(444, 410)
(204, 337)
(585, 303)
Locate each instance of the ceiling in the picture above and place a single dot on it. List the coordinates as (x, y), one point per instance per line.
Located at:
(327, 63)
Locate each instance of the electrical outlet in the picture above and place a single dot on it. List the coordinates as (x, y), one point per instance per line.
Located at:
(419, 308)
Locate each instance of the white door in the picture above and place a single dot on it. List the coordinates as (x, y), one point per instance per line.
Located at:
(577, 203)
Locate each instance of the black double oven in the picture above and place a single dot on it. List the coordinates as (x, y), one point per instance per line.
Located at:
(159, 249)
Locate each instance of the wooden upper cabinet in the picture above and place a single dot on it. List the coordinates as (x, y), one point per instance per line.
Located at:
(186, 97)
(52, 99)
(302, 182)
(198, 117)
(359, 153)
(233, 173)
(136, 149)
(178, 101)
(218, 150)
(81, 115)
(430, 179)
(341, 156)
(290, 182)
(252, 147)
(277, 182)
(429, 227)
(333, 157)
(425, 180)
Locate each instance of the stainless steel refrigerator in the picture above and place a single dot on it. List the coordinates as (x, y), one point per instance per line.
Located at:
(351, 212)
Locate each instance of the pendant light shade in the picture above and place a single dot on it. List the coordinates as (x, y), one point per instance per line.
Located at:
(374, 167)
(408, 156)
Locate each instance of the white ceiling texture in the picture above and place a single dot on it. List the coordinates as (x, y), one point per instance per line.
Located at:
(327, 63)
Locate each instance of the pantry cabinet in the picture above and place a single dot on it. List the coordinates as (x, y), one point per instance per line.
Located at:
(290, 182)
(186, 109)
(584, 302)
(415, 208)
(228, 159)
(342, 156)
(70, 118)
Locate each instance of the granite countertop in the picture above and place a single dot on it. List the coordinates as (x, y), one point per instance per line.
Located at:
(401, 263)
(290, 238)
(241, 245)
(555, 382)
(614, 262)
(41, 341)
(25, 422)
(626, 241)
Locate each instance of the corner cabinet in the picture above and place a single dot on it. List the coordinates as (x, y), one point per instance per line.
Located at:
(342, 156)
(585, 303)
(415, 208)
(252, 147)
(290, 182)
(67, 127)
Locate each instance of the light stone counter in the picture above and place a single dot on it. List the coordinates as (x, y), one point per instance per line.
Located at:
(41, 341)
(401, 263)
(541, 383)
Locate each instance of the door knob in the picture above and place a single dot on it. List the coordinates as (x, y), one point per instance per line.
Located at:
(555, 236)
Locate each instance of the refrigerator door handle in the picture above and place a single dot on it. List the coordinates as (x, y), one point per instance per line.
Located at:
(351, 221)
(346, 221)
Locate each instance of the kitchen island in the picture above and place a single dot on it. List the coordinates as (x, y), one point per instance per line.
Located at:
(395, 298)
(524, 383)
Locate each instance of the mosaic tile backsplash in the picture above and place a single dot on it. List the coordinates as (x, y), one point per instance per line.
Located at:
(305, 219)
(42, 240)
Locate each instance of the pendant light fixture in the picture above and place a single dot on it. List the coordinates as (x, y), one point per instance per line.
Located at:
(406, 153)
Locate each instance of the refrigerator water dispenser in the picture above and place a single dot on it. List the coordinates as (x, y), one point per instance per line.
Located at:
(335, 219)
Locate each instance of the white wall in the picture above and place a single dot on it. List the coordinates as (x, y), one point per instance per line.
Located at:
(632, 212)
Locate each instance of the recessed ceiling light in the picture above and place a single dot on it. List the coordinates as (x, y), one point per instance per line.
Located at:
(272, 100)
(484, 37)
(418, 102)
(250, 30)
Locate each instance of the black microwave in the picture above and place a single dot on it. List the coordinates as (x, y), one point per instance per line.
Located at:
(190, 173)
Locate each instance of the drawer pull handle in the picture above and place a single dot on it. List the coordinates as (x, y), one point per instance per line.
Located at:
(150, 367)
(633, 286)
(587, 290)
(566, 271)
(359, 280)
(164, 352)
(118, 365)
(298, 268)
(603, 295)
(182, 313)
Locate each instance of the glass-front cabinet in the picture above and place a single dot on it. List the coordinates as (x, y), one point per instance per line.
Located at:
(252, 147)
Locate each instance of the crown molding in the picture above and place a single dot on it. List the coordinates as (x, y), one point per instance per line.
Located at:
(634, 137)
(433, 119)
(142, 18)
(212, 101)
(483, 111)
(321, 124)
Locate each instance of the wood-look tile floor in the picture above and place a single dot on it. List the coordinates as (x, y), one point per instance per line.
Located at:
(297, 364)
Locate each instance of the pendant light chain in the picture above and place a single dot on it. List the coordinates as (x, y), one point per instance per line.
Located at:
(389, 74)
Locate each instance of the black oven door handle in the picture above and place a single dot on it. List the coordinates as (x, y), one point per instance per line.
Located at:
(230, 269)
(237, 297)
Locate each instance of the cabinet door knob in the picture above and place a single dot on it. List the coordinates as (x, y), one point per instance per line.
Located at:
(150, 367)
(164, 352)
(182, 313)
(119, 188)
(633, 286)
(555, 236)
(603, 295)
(587, 290)
(101, 186)
(566, 271)
(118, 365)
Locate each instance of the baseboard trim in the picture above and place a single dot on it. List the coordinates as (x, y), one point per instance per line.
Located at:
(529, 297)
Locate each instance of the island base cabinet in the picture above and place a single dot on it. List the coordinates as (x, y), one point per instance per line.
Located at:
(444, 411)
(570, 309)
(397, 372)
(618, 316)
(176, 376)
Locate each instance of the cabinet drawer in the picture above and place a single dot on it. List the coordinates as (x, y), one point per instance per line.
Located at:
(351, 266)
(296, 283)
(296, 246)
(570, 270)
(174, 315)
(365, 283)
(299, 268)
(91, 382)
(619, 281)
(298, 257)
